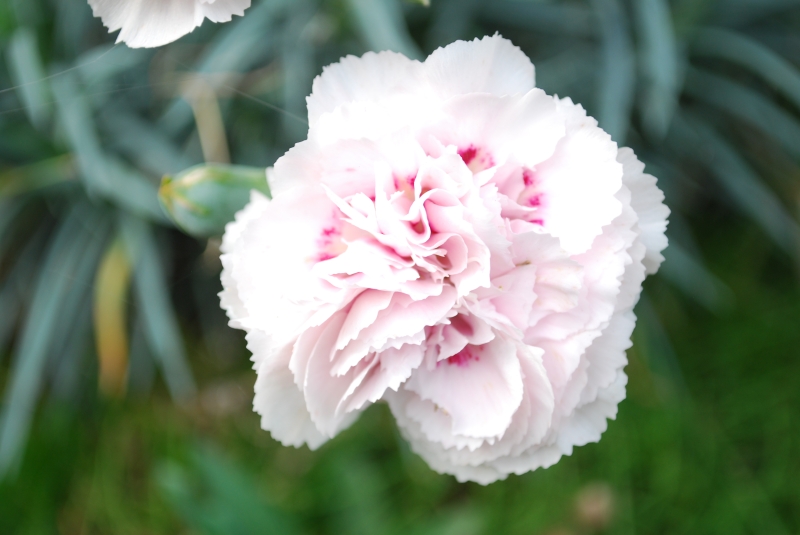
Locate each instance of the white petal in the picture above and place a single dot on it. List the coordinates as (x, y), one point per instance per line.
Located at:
(648, 203)
(151, 23)
(579, 182)
(525, 128)
(489, 65)
(324, 392)
(229, 296)
(403, 317)
(370, 78)
(269, 258)
(480, 391)
(590, 421)
(223, 10)
(277, 399)
(362, 314)
(394, 367)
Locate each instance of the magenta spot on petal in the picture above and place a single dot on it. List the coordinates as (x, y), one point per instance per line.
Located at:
(535, 200)
(324, 256)
(528, 177)
(468, 154)
(330, 231)
(537, 221)
(462, 358)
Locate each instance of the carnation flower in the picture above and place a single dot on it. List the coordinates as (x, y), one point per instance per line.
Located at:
(150, 23)
(456, 242)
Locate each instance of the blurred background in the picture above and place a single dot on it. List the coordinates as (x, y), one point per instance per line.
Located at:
(126, 400)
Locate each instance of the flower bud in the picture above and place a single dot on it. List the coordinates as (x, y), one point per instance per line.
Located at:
(202, 199)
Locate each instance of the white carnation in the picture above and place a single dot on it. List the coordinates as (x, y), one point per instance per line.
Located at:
(456, 242)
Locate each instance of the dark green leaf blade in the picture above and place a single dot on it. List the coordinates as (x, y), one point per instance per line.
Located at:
(155, 309)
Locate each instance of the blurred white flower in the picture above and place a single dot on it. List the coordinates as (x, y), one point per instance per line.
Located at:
(456, 242)
(151, 23)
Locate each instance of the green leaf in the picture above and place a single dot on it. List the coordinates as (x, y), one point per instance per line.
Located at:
(217, 497)
(203, 199)
(14, 287)
(37, 175)
(660, 65)
(737, 48)
(570, 19)
(451, 20)
(383, 27)
(298, 73)
(9, 210)
(67, 258)
(653, 341)
(239, 46)
(746, 104)
(560, 74)
(100, 64)
(155, 308)
(27, 74)
(747, 12)
(106, 177)
(617, 72)
(739, 180)
(142, 142)
(690, 276)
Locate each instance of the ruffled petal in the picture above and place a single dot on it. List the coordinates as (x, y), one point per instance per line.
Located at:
(277, 399)
(480, 388)
(490, 130)
(151, 23)
(229, 296)
(578, 182)
(648, 203)
(280, 240)
(222, 10)
(488, 65)
(371, 78)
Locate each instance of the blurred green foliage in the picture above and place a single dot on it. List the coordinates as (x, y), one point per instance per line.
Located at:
(706, 91)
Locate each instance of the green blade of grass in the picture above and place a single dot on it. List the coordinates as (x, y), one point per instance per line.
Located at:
(690, 276)
(563, 19)
(743, 185)
(27, 74)
(37, 175)
(745, 12)
(382, 26)
(659, 63)
(238, 47)
(104, 176)
(100, 64)
(228, 502)
(759, 59)
(13, 289)
(617, 74)
(155, 309)
(451, 21)
(65, 258)
(142, 142)
(746, 104)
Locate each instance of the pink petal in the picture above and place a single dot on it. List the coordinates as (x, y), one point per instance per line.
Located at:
(480, 391)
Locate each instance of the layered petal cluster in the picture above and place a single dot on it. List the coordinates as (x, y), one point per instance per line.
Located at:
(454, 241)
(151, 23)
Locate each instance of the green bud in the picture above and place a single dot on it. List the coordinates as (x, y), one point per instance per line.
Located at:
(202, 199)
